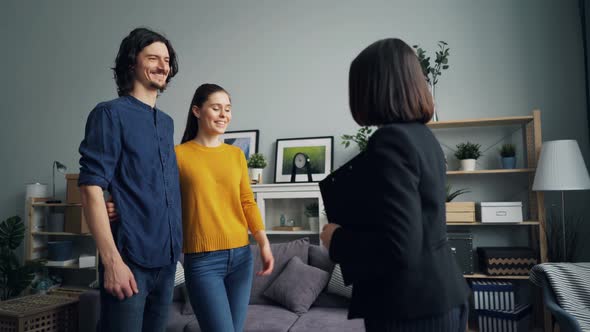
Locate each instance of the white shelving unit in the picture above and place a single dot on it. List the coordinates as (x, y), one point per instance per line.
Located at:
(290, 200)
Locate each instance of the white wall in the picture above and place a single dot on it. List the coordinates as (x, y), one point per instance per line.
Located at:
(285, 64)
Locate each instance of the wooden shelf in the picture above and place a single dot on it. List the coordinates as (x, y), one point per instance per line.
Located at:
(72, 267)
(292, 232)
(60, 234)
(75, 266)
(524, 223)
(492, 171)
(506, 121)
(55, 204)
(485, 276)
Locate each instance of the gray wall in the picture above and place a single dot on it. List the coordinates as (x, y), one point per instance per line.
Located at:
(285, 64)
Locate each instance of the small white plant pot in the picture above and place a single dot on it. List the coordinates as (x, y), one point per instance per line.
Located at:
(314, 224)
(256, 174)
(468, 164)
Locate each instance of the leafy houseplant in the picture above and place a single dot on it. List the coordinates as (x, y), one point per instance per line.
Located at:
(433, 72)
(312, 212)
(458, 211)
(256, 164)
(14, 278)
(361, 138)
(451, 195)
(508, 154)
(508, 150)
(257, 160)
(468, 153)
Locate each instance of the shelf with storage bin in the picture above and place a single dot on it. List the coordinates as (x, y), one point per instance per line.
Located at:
(290, 201)
(72, 228)
(530, 231)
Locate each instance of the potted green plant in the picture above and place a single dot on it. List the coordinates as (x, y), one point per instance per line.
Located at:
(361, 138)
(458, 211)
(312, 212)
(508, 154)
(432, 73)
(256, 164)
(468, 153)
(14, 277)
(452, 194)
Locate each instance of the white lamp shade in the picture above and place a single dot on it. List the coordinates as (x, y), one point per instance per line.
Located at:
(561, 167)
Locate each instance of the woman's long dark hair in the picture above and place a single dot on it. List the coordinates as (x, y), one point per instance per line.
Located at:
(126, 60)
(199, 98)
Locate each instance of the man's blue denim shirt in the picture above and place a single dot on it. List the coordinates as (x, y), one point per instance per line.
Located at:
(128, 149)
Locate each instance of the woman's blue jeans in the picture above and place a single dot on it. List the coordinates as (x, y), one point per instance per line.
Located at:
(218, 284)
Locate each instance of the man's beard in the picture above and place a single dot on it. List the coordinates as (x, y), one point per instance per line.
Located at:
(160, 87)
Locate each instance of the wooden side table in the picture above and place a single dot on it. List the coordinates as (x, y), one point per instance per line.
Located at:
(39, 313)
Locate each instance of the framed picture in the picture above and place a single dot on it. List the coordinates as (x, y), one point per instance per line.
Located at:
(247, 140)
(318, 150)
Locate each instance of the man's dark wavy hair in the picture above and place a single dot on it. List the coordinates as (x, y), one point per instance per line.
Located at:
(131, 46)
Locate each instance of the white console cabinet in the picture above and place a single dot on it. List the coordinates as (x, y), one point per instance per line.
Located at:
(291, 201)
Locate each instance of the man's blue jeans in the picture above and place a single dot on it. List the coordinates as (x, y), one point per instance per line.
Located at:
(219, 283)
(144, 311)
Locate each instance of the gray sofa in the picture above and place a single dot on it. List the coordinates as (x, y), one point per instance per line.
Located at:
(327, 313)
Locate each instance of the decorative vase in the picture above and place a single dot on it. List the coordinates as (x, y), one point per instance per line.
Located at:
(314, 224)
(434, 113)
(256, 174)
(508, 162)
(468, 164)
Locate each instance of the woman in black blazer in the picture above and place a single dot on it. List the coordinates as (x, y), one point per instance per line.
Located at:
(386, 206)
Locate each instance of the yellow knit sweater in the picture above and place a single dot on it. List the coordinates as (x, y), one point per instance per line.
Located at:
(218, 205)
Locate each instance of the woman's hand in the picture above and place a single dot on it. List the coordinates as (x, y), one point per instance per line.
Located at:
(268, 261)
(326, 235)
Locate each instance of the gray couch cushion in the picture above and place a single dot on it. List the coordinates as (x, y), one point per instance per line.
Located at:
(297, 286)
(327, 320)
(320, 258)
(268, 318)
(282, 252)
(177, 321)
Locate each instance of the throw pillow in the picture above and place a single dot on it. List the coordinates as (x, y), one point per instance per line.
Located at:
(282, 253)
(336, 284)
(320, 258)
(298, 285)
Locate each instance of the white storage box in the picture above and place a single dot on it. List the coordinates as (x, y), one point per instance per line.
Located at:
(502, 212)
(87, 261)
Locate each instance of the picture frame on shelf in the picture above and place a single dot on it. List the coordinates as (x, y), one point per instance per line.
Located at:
(320, 159)
(247, 140)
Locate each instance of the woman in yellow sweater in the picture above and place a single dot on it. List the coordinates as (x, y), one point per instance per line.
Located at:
(218, 209)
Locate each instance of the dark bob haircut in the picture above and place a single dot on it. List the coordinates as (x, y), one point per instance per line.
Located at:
(126, 59)
(386, 85)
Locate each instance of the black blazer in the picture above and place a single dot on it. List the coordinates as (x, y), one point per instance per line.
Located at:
(392, 246)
